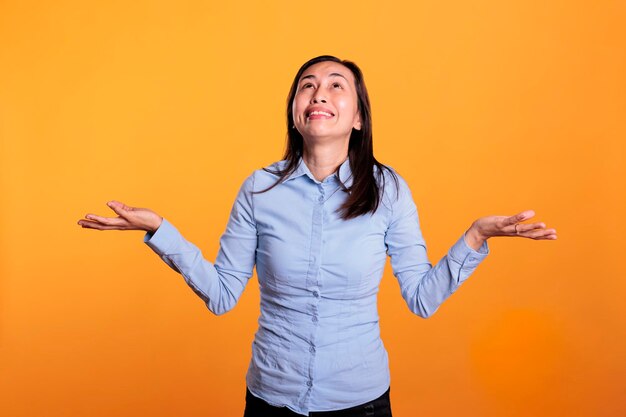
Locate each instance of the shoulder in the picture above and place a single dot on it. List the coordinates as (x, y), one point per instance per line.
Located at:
(391, 180)
(393, 186)
(276, 166)
(264, 177)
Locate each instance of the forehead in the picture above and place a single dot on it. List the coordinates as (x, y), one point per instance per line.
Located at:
(326, 69)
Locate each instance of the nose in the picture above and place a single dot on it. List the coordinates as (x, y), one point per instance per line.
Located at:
(318, 98)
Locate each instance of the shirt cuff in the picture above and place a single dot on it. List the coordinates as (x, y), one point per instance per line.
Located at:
(466, 256)
(163, 238)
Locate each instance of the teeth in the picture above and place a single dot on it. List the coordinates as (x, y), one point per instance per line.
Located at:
(323, 113)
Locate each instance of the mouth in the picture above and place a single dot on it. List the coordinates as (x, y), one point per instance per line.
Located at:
(313, 114)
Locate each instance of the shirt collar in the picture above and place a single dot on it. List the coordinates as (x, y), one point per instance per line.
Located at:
(343, 174)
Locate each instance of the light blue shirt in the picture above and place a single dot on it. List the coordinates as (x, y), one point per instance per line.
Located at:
(318, 344)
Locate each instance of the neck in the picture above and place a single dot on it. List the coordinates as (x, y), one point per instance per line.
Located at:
(323, 159)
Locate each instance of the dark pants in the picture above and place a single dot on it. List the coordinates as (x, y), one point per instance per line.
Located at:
(380, 407)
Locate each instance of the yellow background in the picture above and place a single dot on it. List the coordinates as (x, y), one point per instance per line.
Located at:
(485, 107)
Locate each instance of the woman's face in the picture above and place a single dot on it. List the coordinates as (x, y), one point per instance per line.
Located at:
(326, 104)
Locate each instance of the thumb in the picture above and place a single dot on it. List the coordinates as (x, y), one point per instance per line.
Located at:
(524, 215)
(119, 208)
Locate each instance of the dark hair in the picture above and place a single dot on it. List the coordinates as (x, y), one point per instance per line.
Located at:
(364, 193)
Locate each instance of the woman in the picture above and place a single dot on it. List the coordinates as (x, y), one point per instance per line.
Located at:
(319, 225)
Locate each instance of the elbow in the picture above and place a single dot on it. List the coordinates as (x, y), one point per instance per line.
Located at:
(418, 300)
(223, 304)
(220, 308)
(422, 310)
(423, 314)
(218, 311)
(223, 297)
(217, 308)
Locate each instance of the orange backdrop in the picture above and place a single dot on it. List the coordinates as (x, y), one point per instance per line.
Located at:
(485, 107)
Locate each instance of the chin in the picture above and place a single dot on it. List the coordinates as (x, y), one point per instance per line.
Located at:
(323, 131)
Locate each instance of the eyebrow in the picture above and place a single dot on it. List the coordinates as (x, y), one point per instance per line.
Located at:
(334, 74)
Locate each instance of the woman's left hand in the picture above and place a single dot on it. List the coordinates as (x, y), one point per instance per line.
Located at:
(491, 226)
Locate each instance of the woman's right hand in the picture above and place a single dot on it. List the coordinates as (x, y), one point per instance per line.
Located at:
(129, 218)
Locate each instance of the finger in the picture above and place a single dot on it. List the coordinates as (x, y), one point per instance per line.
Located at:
(541, 234)
(109, 221)
(520, 217)
(98, 226)
(521, 228)
(550, 234)
(95, 218)
(119, 208)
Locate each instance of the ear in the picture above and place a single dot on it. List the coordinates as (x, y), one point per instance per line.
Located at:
(357, 122)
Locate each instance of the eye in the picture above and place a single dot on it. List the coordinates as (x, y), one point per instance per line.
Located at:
(307, 85)
(337, 85)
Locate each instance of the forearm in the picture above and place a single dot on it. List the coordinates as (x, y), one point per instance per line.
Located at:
(425, 288)
(219, 289)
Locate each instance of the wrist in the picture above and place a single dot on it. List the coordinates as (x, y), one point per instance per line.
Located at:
(474, 238)
(154, 227)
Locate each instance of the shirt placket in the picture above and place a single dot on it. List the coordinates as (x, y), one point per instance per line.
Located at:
(313, 282)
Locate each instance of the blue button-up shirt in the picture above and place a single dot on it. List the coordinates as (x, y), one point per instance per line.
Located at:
(318, 344)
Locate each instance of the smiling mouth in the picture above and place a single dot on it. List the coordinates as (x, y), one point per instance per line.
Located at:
(319, 115)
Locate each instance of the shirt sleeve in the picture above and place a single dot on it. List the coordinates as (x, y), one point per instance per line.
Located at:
(424, 287)
(218, 284)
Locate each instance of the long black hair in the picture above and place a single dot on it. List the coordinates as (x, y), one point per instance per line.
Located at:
(365, 193)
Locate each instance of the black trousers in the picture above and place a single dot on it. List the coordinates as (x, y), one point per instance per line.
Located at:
(380, 407)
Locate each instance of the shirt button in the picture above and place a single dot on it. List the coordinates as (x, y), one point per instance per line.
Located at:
(320, 199)
(314, 319)
(316, 294)
(309, 383)
(312, 349)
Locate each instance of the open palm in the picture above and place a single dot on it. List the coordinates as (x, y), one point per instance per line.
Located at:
(129, 218)
(490, 226)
